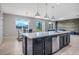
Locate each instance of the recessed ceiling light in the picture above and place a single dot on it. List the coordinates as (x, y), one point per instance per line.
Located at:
(53, 7)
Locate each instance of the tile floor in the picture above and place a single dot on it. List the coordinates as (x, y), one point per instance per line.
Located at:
(11, 46)
(72, 48)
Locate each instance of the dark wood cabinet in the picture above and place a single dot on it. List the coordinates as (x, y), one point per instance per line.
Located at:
(38, 46)
(61, 41)
(24, 45)
(48, 45)
(64, 40)
(67, 39)
(42, 46)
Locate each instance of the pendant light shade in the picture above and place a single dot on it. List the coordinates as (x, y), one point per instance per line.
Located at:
(37, 13)
(53, 17)
(53, 13)
(46, 16)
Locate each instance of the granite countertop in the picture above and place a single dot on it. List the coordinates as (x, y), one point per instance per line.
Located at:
(43, 34)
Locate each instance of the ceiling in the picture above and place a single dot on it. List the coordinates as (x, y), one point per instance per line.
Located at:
(60, 11)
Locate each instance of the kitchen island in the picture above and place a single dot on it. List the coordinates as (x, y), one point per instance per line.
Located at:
(44, 43)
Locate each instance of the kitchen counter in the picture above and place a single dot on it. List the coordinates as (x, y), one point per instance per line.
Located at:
(43, 34)
(44, 43)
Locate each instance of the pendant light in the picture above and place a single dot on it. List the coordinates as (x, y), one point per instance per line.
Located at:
(37, 13)
(46, 16)
(53, 17)
(52, 13)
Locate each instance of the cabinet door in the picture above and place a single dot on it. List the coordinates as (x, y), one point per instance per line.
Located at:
(61, 41)
(68, 39)
(38, 46)
(65, 39)
(48, 45)
(24, 45)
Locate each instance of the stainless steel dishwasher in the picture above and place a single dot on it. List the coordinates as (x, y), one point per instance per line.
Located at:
(55, 43)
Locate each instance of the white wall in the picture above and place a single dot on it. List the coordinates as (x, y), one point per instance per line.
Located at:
(1, 25)
(9, 26)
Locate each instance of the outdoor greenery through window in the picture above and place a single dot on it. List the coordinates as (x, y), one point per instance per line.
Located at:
(38, 26)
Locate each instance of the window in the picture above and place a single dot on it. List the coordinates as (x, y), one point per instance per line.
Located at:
(21, 23)
(38, 26)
